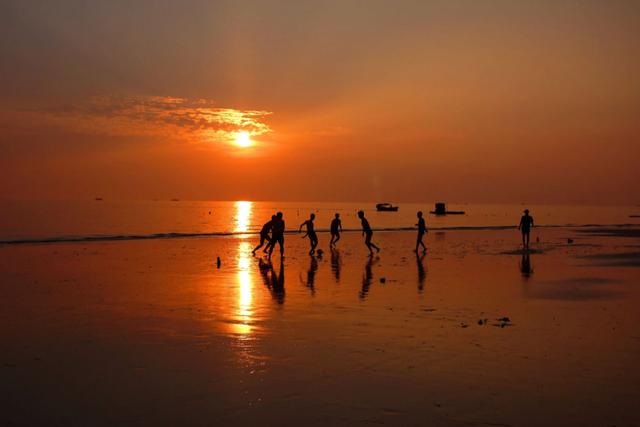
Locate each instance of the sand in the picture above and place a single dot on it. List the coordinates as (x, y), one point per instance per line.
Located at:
(151, 332)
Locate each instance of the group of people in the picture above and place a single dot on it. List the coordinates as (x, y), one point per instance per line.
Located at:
(272, 232)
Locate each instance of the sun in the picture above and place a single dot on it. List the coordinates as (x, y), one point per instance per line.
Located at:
(243, 140)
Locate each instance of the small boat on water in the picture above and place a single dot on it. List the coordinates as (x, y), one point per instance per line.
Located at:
(386, 207)
(441, 209)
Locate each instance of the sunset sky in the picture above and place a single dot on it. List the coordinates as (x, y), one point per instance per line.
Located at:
(466, 101)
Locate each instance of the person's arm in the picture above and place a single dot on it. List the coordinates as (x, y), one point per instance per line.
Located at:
(301, 225)
(340, 225)
(531, 222)
(520, 225)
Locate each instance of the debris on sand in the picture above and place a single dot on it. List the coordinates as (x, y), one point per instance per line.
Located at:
(502, 322)
(464, 325)
(383, 280)
(218, 262)
(569, 241)
(482, 322)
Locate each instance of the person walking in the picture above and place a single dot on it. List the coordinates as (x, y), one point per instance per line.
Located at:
(526, 224)
(311, 233)
(367, 232)
(336, 229)
(422, 229)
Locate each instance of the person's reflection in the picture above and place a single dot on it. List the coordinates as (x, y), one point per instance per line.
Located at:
(311, 274)
(336, 264)
(278, 283)
(422, 272)
(525, 265)
(367, 278)
(274, 282)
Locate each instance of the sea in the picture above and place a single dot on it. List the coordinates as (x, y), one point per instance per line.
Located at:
(96, 220)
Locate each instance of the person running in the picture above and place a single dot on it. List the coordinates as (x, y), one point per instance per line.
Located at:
(336, 228)
(311, 233)
(422, 229)
(526, 224)
(277, 234)
(367, 232)
(264, 236)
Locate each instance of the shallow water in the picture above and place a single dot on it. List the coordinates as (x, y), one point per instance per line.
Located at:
(56, 220)
(151, 332)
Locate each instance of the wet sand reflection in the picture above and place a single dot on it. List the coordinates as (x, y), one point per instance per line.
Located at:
(422, 272)
(244, 312)
(272, 280)
(336, 264)
(367, 277)
(311, 274)
(525, 266)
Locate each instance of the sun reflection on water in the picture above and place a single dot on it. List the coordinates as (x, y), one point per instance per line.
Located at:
(243, 216)
(244, 312)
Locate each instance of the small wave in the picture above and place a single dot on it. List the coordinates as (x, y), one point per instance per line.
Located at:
(175, 235)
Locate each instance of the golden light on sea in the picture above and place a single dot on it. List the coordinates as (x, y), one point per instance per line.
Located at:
(243, 216)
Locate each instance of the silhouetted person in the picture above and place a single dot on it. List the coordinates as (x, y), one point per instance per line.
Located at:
(311, 274)
(422, 229)
(526, 223)
(525, 265)
(336, 229)
(367, 278)
(367, 232)
(277, 234)
(264, 236)
(311, 233)
(336, 265)
(422, 273)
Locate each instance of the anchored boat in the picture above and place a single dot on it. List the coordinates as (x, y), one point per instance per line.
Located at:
(441, 209)
(386, 207)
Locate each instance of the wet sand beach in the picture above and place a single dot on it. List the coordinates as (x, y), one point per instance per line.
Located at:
(474, 333)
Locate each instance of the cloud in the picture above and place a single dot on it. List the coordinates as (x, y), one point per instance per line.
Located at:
(195, 120)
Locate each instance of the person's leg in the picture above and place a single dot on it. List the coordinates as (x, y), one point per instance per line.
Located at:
(260, 245)
(523, 241)
(281, 242)
(528, 238)
(424, 247)
(370, 244)
(337, 238)
(367, 241)
(272, 244)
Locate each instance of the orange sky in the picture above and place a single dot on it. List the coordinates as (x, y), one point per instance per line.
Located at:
(468, 101)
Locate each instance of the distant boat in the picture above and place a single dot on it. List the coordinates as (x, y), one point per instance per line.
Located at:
(386, 207)
(441, 209)
(98, 199)
(175, 200)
